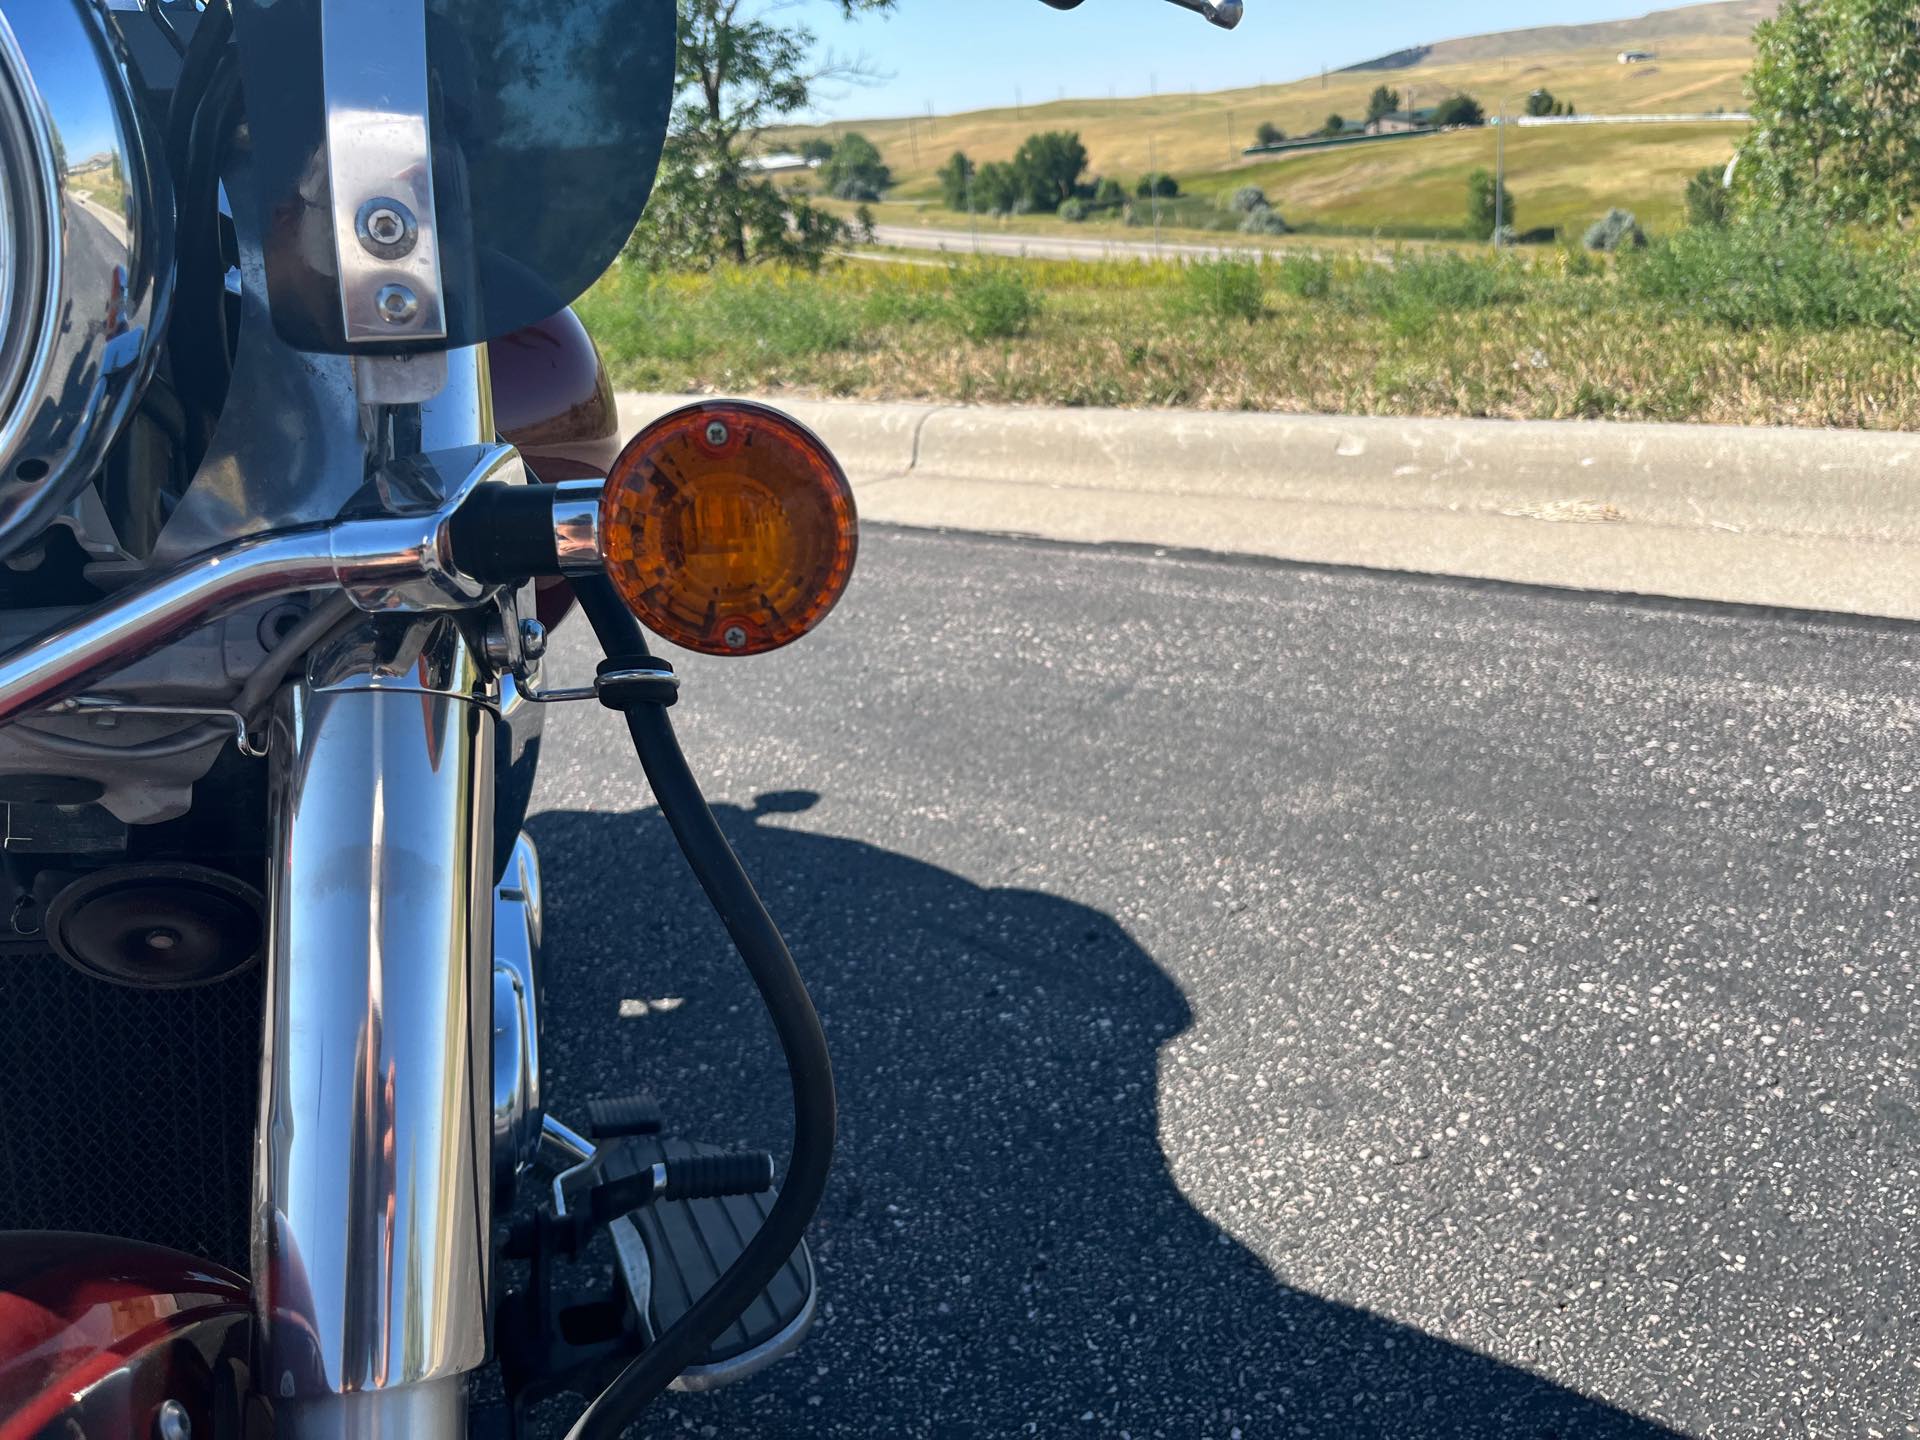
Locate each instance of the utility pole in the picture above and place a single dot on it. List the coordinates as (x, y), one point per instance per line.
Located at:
(1500, 183)
(1153, 182)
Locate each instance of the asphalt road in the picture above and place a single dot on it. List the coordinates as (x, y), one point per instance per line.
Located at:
(1279, 1001)
(1048, 247)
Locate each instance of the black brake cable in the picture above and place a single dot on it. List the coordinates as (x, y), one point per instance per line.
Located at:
(778, 979)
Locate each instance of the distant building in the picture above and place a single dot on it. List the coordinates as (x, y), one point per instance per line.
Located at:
(1401, 122)
(780, 164)
(1635, 57)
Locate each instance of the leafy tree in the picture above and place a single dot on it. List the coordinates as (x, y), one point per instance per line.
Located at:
(737, 71)
(1051, 164)
(1109, 194)
(1489, 204)
(817, 149)
(997, 188)
(1835, 95)
(1709, 204)
(1336, 124)
(956, 181)
(1269, 134)
(1158, 183)
(1459, 110)
(1541, 102)
(1384, 101)
(856, 171)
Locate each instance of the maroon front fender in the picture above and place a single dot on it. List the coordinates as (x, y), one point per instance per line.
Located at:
(96, 1335)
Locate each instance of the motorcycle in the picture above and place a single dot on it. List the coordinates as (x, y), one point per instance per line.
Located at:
(302, 457)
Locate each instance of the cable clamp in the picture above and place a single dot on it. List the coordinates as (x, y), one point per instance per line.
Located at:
(626, 685)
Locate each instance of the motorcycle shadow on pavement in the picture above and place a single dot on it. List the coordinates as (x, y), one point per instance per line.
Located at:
(1004, 1250)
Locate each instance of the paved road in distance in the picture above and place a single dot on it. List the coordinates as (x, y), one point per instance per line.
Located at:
(1275, 1001)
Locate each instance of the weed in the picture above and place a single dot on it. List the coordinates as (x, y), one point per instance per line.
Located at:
(1224, 290)
(993, 302)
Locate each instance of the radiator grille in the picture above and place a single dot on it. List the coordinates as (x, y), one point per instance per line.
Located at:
(128, 1112)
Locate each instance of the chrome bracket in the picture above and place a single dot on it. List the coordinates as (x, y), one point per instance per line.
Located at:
(250, 745)
(373, 55)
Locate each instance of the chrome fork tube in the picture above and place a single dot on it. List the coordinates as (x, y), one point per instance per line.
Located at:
(371, 1221)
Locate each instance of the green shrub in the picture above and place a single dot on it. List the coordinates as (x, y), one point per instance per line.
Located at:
(1489, 204)
(1775, 270)
(1269, 134)
(1616, 230)
(1158, 183)
(1709, 203)
(1265, 221)
(1305, 277)
(1109, 194)
(1415, 292)
(1226, 290)
(1246, 200)
(992, 302)
(1075, 210)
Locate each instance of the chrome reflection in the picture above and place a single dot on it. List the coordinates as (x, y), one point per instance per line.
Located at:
(91, 226)
(517, 1111)
(371, 1230)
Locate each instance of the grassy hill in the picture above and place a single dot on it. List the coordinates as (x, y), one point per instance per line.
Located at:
(1726, 19)
(1560, 177)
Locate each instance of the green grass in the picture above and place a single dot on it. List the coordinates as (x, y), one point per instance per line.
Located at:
(1552, 336)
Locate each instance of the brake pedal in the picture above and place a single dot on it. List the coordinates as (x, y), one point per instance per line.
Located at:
(623, 1116)
(672, 1251)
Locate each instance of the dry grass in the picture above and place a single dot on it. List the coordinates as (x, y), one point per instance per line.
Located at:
(1202, 134)
(1512, 342)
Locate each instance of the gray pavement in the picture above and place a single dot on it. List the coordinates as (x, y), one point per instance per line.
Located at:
(992, 241)
(1282, 1001)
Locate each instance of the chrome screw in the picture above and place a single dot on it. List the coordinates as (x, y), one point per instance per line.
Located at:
(397, 304)
(717, 434)
(171, 1422)
(386, 228)
(533, 639)
(736, 637)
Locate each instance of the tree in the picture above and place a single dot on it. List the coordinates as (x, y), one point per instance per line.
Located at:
(1384, 101)
(1709, 204)
(1541, 102)
(1269, 134)
(1051, 165)
(818, 149)
(997, 188)
(856, 171)
(1158, 183)
(1109, 194)
(1336, 124)
(956, 181)
(1459, 110)
(1489, 205)
(737, 73)
(1835, 95)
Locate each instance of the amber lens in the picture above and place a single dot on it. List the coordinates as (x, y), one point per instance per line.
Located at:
(729, 528)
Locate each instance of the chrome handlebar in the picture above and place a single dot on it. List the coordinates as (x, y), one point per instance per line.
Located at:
(384, 564)
(1225, 13)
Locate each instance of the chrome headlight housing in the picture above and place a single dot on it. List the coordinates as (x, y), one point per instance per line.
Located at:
(86, 257)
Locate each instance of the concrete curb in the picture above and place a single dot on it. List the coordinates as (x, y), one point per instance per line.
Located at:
(1826, 520)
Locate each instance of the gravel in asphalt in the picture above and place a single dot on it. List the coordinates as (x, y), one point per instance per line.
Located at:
(1277, 1001)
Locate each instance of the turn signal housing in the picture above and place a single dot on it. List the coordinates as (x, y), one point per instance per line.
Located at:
(729, 528)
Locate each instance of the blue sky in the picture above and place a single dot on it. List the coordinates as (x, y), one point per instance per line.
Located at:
(973, 54)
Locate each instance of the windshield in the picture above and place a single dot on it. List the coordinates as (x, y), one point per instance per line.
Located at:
(545, 122)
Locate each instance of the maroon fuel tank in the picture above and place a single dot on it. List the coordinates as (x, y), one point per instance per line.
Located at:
(98, 1336)
(553, 401)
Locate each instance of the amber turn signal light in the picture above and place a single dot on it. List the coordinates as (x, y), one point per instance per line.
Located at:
(729, 528)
